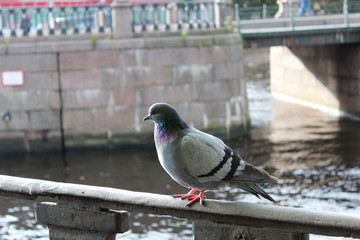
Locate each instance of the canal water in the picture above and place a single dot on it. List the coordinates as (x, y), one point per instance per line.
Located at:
(315, 155)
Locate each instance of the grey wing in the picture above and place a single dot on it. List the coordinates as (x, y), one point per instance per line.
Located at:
(207, 158)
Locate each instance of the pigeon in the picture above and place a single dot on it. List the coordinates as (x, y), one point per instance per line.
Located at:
(200, 161)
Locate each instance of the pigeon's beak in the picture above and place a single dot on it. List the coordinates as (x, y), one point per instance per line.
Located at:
(147, 117)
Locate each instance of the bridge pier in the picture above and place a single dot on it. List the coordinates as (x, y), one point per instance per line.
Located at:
(326, 75)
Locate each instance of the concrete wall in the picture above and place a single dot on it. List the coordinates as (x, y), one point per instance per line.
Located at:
(104, 93)
(325, 74)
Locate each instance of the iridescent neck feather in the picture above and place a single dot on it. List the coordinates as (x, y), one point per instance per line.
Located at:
(165, 131)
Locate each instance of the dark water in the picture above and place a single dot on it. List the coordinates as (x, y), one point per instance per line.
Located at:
(316, 157)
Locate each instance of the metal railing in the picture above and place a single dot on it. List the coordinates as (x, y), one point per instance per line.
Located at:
(100, 213)
(255, 12)
(272, 11)
(161, 15)
(177, 15)
(35, 21)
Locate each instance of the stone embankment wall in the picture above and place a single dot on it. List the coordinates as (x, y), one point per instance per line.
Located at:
(95, 92)
(323, 74)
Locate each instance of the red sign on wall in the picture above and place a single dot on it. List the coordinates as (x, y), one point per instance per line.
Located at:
(12, 78)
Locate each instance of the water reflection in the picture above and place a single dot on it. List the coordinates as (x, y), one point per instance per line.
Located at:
(316, 157)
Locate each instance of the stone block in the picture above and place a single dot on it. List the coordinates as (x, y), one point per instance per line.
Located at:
(165, 42)
(220, 54)
(72, 46)
(116, 78)
(237, 70)
(236, 53)
(226, 39)
(29, 63)
(132, 58)
(195, 55)
(199, 41)
(86, 98)
(223, 71)
(148, 76)
(88, 60)
(13, 120)
(3, 49)
(198, 116)
(28, 100)
(44, 120)
(177, 56)
(80, 79)
(193, 73)
(79, 121)
(40, 81)
(124, 97)
(169, 94)
(163, 57)
(216, 109)
(213, 91)
(50, 47)
(114, 117)
(120, 44)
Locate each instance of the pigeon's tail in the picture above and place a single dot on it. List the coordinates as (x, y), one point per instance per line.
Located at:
(255, 189)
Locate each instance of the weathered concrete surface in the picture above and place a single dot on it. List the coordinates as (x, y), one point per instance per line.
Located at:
(66, 222)
(283, 219)
(325, 74)
(100, 96)
(205, 230)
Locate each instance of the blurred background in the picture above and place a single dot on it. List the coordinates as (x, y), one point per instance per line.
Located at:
(74, 92)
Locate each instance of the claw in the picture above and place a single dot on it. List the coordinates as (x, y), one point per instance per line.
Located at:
(192, 197)
(198, 198)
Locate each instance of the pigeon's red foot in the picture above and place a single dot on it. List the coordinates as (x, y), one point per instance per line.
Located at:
(192, 197)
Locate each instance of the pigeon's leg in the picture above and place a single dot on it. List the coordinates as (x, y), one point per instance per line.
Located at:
(197, 198)
(190, 195)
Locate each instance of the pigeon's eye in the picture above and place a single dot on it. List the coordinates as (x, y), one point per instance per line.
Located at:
(155, 111)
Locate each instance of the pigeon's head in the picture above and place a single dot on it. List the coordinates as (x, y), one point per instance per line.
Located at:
(165, 115)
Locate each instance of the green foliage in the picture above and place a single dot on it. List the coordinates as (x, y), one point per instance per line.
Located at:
(184, 35)
(93, 41)
(228, 23)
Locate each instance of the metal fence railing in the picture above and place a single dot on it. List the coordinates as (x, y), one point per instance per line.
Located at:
(148, 16)
(177, 15)
(317, 9)
(47, 20)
